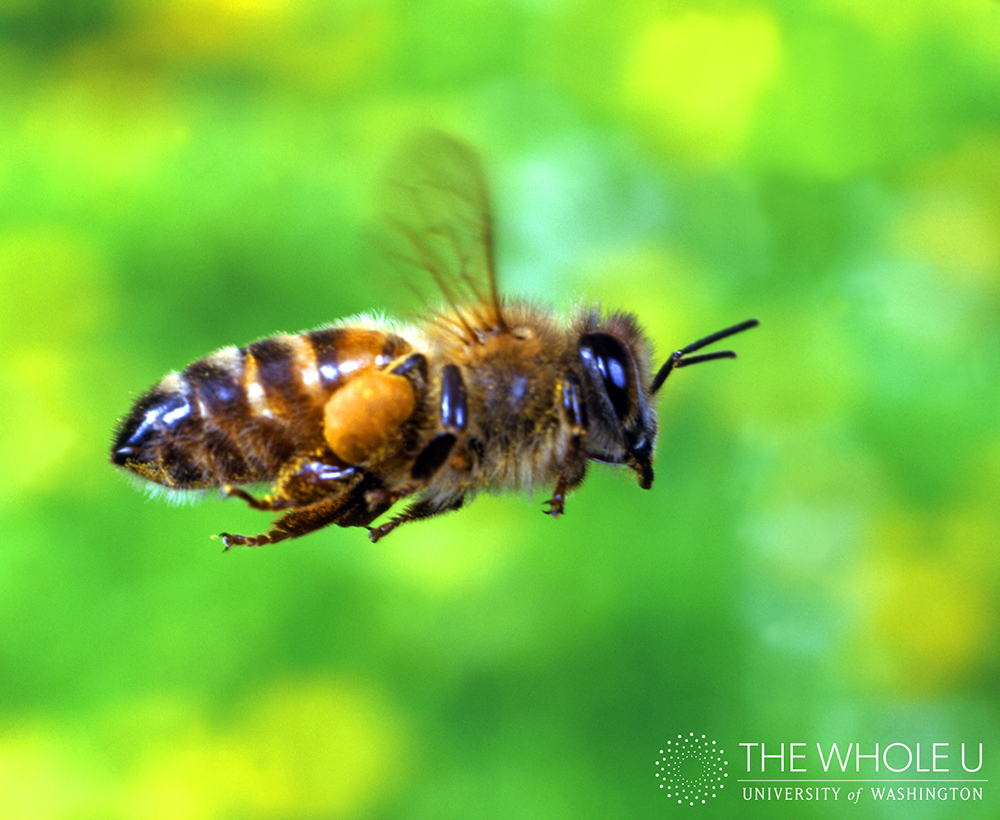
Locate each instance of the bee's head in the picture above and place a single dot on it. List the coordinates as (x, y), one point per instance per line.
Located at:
(621, 418)
(615, 357)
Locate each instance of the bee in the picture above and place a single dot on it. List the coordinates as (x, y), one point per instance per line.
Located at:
(484, 394)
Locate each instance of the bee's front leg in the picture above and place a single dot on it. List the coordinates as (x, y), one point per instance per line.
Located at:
(573, 468)
(572, 474)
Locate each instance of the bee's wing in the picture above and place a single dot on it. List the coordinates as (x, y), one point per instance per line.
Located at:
(437, 221)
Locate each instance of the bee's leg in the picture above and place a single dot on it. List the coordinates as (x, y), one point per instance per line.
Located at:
(306, 481)
(268, 502)
(574, 464)
(420, 509)
(434, 455)
(353, 505)
(292, 525)
(439, 450)
(573, 472)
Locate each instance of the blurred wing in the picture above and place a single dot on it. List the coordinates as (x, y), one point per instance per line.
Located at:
(436, 212)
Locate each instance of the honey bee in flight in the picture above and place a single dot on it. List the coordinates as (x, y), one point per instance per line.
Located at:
(346, 421)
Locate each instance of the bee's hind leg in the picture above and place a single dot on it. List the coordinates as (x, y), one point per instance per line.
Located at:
(268, 502)
(348, 510)
(348, 504)
(306, 481)
(291, 525)
(416, 511)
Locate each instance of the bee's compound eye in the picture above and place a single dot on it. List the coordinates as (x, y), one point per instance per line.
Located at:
(604, 357)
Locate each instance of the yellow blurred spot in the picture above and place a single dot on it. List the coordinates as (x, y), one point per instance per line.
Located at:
(305, 748)
(216, 26)
(41, 434)
(819, 385)
(96, 122)
(333, 746)
(37, 781)
(696, 78)
(934, 623)
(927, 614)
(55, 301)
(321, 46)
(673, 316)
(953, 219)
(52, 287)
(957, 233)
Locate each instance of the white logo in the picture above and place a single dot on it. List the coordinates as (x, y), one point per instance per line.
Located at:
(691, 769)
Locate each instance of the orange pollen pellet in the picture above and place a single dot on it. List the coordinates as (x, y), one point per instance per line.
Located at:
(365, 412)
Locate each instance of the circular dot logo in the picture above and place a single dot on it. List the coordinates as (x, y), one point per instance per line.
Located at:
(691, 769)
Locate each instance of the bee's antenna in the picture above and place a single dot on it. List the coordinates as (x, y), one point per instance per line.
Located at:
(677, 358)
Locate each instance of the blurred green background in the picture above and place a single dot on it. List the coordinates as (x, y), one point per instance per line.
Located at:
(817, 561)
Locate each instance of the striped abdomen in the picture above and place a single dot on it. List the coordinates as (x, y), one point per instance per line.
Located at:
(239, 415)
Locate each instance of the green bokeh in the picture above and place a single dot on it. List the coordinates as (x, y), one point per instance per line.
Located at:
(818, 560)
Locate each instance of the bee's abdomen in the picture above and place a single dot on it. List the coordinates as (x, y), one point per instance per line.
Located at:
(239, 415)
